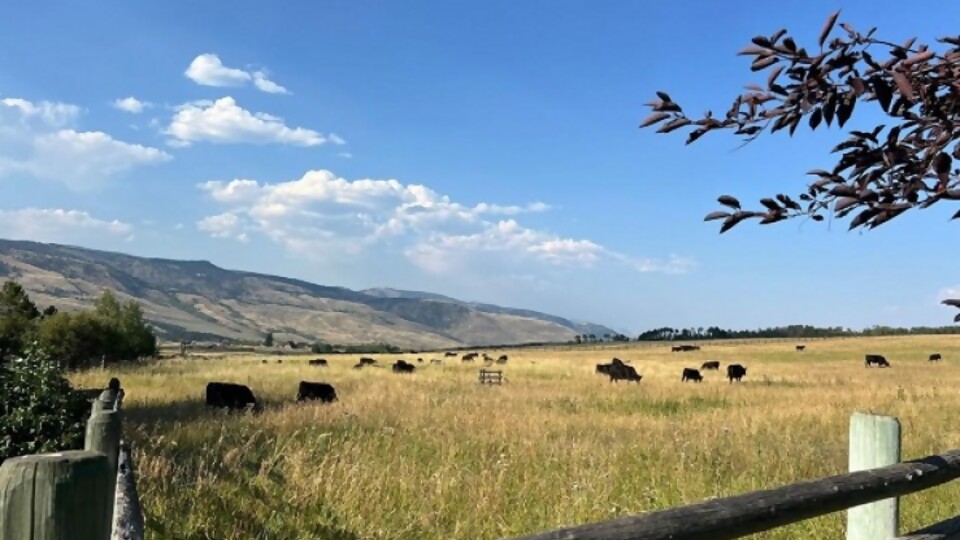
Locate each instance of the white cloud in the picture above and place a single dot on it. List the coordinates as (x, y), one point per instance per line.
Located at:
(223, 121)
(48, 150)
(131, 105)
(264, 84)
(208, 70)
(322, 213)
(58, 225)
(345, 155)
(336, 139)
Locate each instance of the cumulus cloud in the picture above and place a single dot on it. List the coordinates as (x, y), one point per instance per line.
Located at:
(131, 105)
(38, 139)
(323, 213)
(208, 70)
(58, 225)
(223, 121)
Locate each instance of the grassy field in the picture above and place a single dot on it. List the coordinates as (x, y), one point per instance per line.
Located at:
(435, 455)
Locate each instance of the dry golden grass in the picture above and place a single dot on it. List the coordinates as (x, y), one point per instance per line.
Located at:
(435, 455)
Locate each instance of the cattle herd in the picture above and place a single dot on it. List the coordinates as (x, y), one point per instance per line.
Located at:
(238, 396)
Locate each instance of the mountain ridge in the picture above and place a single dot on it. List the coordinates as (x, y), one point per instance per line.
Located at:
(196, 299)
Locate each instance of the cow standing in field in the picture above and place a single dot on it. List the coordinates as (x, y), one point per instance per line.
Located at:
(935, 357)
(604, 368)
(449, 354)
(316, 391)
(800, 348)
(713, 364)
(231, 396)
(419, 360)
(469, 357)
(400, 366)
(367, 361)
(502, 359)
(690, 374)
(736, 372)
(618, 371)
(875, 359)
(318, 362)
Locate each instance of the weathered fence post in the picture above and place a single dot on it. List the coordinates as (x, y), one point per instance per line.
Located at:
(56, 496)
(104, 430)
(874, 442)
(127, 514)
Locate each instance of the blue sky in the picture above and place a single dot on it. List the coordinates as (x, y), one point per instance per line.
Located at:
(485, 150)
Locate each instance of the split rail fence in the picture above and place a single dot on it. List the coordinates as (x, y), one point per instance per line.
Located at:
(88, 494)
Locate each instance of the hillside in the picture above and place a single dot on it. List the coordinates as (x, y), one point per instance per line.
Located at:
(197, 299)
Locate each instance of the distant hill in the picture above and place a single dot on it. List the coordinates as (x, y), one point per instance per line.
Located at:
(198, 300)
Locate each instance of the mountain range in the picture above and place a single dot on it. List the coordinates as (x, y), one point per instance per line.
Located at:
(198, 300)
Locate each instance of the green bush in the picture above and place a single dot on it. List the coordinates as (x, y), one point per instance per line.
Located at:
(39, 412)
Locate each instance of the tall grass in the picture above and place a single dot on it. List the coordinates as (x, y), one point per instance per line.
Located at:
(436, 455)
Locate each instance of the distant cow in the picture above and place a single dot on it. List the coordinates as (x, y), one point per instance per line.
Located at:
(502, 359)
(801, 347)
(685, 348)
(231, 396)
(623, 372)
(604, 368)
(690, 374)
(449, 354)
(935, 357)
(401, 366)
(264, 361)
(367, 361)
(871, 359)
(318, 362)
(736, 372)
(316, 390)
(713, 364)
(279, 360)
(419, 360)
(469, 357)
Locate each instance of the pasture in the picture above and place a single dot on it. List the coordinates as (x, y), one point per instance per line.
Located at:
(434, 454)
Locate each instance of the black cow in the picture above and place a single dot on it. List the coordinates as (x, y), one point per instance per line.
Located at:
(801, 347)
(685, 348)
(279, 360)
(871, 359)
(449, 354)
(935, 357)
(316, 390)
(401, 366)
(419, 360)
(264, 361)
(469, 357)
(713, 364)
(736, 372)
(367, 361)
(690, 374)
(623, 372)
(502, 359)
(318, 362)
(604, 368)
(231, 396)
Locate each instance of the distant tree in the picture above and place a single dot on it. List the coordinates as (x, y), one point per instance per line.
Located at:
(268, 340)
(577, 339)
(881, 173)
(17, 313)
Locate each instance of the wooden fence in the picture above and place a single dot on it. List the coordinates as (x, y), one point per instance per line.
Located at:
(869, 493)
(88, 494)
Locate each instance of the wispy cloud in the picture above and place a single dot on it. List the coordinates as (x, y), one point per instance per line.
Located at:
(59, 225)
(131, 105)
(38, 139)
(223, 121)
(208, 70)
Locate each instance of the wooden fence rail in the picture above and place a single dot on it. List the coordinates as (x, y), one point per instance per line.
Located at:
(872, 439)
(87, 494)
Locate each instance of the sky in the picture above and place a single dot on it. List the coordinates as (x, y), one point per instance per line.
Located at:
(489, 151)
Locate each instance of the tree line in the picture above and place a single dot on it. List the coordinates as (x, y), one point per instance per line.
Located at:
(790, 331)
(110, 332)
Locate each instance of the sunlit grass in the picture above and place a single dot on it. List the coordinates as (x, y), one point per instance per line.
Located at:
(436, 455)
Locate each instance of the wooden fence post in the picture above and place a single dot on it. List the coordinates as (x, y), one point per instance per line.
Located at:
(56, 496)
(127, 513)
(874, 442)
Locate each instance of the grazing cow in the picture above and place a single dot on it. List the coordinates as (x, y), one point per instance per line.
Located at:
(801, 347)
(419, 360)
(401, 366)
(935, 357)
(736, 372)
(469, 357)
(691, 375)
(623, 372)
(449, 354)
(502, 359)
(685, 348)
(279, 360)
(713, 364)
(871, 359)
(231, 396)
(318, 362)
(367, 361)
(604, 368)
(264, 361)
(316, 390)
